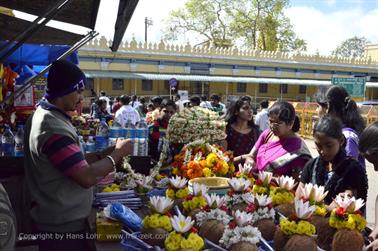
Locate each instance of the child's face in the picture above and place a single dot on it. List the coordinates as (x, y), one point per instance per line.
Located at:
(327, 146)
(167, 112)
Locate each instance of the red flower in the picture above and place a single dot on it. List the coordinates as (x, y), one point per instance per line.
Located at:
(189, 197)
(340, 212)
(168, 214)
(258, 182)
(250, 208)
(206, 208)
(194, 230)
(232, 225)
(224, 208)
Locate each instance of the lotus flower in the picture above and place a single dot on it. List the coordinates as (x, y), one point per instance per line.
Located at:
(286, 182)
(313, 193)
(349, 204)
(242, 218)
(245, 169)
(239, 185)
(263, 200)
(182, 224)
(161, 204)
(199, 189)
(178, 182)
(303, 209)
(214, 200)
(265, 177)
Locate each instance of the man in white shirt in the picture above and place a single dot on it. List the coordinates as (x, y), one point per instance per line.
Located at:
(126, 112)
(179, 102)
(262, 119)
(204, 103)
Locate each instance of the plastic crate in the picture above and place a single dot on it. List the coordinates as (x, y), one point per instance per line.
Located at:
(132, 242)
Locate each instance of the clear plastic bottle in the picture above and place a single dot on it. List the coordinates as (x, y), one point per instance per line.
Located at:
(90, 146)
(7, 141)
(102, 135)
(142, 134)
(82, 144)
(19, 141)
(115, 131)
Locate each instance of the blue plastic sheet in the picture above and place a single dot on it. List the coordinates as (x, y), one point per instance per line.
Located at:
(126, 216)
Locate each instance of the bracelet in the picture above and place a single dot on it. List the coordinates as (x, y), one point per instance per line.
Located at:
(112, 160)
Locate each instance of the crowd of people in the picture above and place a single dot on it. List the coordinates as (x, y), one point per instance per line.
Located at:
(59, 175)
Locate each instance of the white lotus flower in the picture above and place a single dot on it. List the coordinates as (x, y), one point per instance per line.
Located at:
(239, 185)
(311, 192)
(242, 218)
(214, 200)
(178, 182)
(286, 182)
(245, 169)
(265, 177)
(199, 189)
(182, 224)
(161, 204)
(350, 204)
(319, 193)
(263, 200)
(303, 209)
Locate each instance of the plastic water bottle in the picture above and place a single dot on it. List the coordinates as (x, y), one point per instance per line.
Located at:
(130, 129)
(19, 141)
(142, 136)
(90, 146)
(82, 144)
(7, 141)
(102, 135)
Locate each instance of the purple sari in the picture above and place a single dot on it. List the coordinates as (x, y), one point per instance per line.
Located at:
(280, 157)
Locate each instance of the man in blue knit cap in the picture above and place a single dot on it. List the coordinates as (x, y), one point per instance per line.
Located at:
(58, 176)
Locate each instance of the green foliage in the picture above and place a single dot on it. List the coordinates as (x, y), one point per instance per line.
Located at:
(255, 24)
(352, 47)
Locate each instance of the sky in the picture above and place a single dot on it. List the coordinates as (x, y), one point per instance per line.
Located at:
(324, 24)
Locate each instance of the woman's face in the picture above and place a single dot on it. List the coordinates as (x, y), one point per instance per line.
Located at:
(327, 146)
(167, 112)
(321, 110)
(245, 112)
(278, 127)
(372, 159)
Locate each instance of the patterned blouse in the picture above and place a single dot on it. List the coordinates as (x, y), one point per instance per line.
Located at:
(240, 143)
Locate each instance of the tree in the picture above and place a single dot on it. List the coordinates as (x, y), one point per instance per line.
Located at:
(352, 47)
(256, 24)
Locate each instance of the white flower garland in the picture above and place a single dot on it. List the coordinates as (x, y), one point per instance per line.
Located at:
(239, 198)
(240, 234)
(263, 213)
(214, 214)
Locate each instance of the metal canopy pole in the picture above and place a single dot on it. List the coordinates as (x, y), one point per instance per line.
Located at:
(36, 26)
(28, 82)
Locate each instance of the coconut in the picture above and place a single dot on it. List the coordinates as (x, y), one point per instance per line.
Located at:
(243, 246)
(280, 240)
(212, 230)
(350, 240)
(178, 203)
(154, 236)
(266, 227)
(287, 210)
(300, 242)
(193, 213)
(324, 231)
(240, 206)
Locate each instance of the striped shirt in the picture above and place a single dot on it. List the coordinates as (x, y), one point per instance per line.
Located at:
(64, 154)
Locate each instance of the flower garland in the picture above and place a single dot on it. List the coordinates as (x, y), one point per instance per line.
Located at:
(263, 213)
(177, 241)
(233, 235)
(177, 193)
(193, 202)
(281, 196)
(196, 123)
(292, 227)
(157, 221)
(341, 219)
(214, 214)
(233, 198)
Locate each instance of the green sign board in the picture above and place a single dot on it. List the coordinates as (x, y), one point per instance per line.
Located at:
(354, 86)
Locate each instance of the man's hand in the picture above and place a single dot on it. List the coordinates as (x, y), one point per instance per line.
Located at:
(122, 148)
(373, 246)
(374, 233)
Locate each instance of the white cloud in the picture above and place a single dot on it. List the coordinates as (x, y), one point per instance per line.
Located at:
(330, 2)
(324, 31)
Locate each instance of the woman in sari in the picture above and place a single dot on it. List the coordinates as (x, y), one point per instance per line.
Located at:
(279, 149)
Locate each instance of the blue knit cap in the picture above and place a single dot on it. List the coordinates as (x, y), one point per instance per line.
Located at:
(64, 78)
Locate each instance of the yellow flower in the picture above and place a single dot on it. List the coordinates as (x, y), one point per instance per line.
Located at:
(173, 242)
(224, 169)
(175, 171)
(211, 159)
(281, 197)
(320, 211)
(207, 172)
(182, 193)
(170, 193)
(259, 189)
(302, 227)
